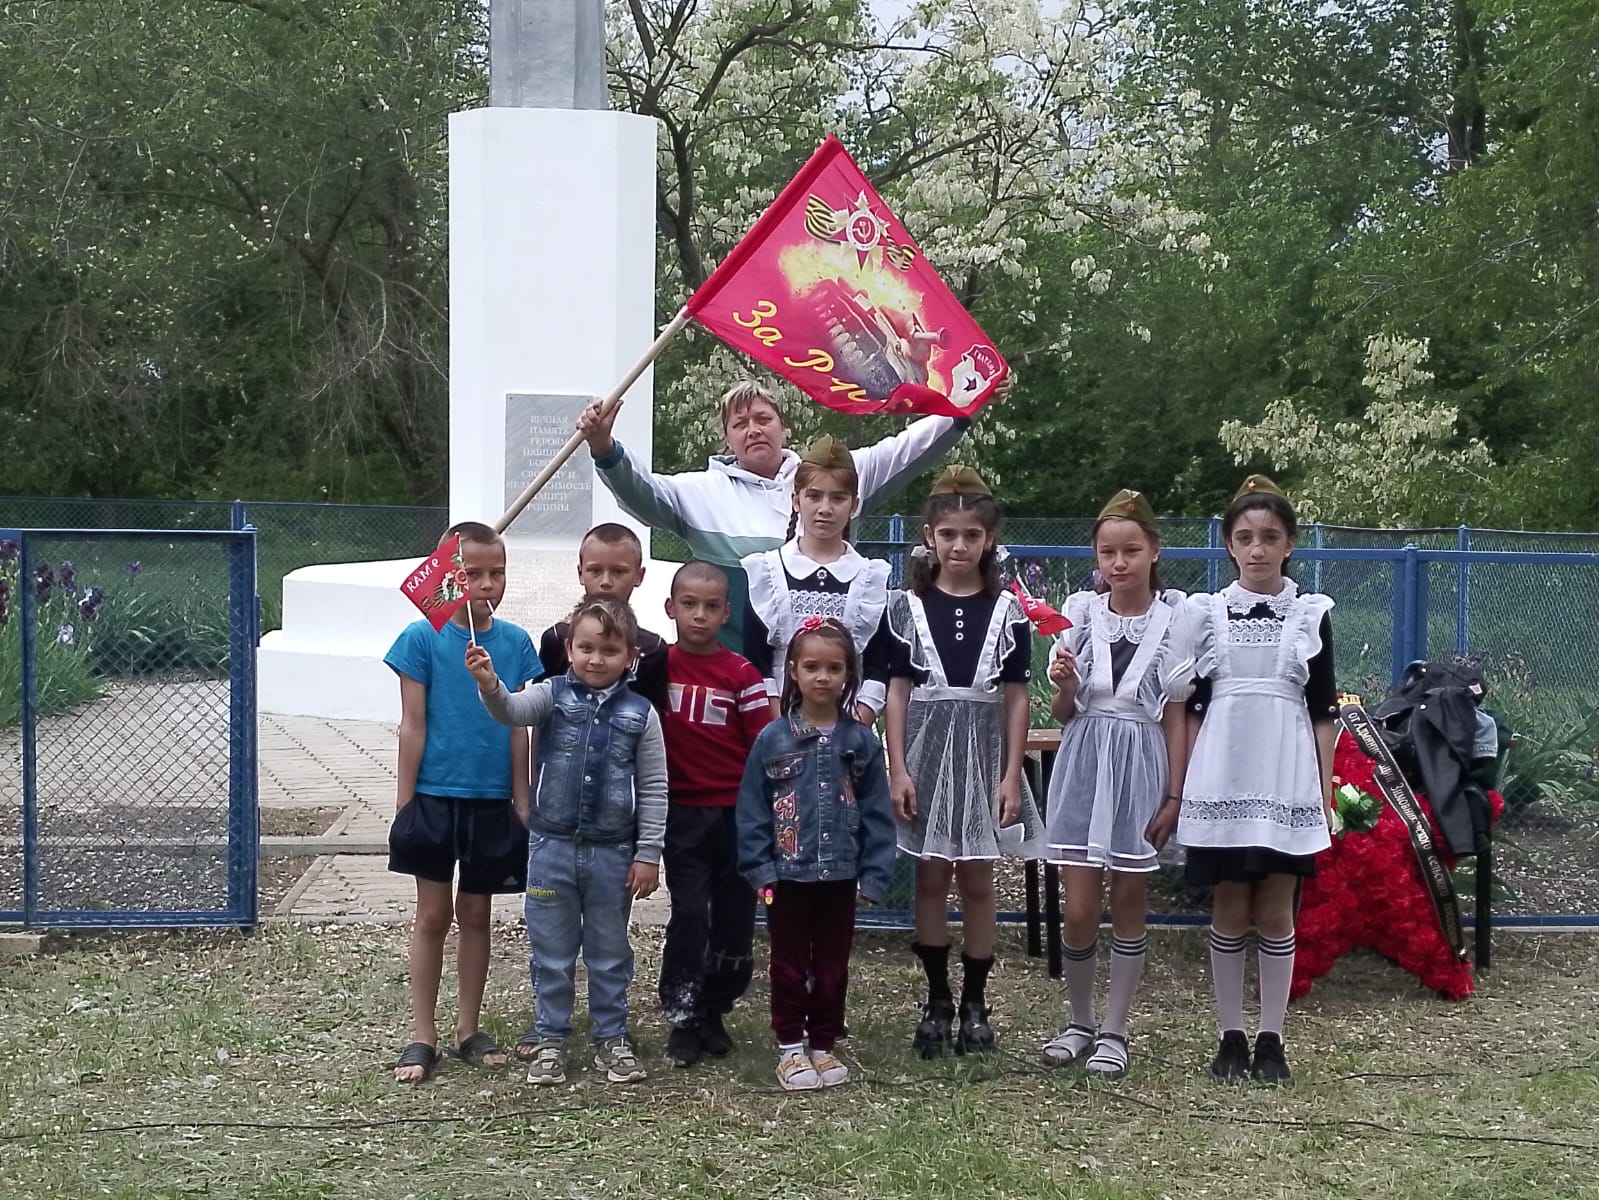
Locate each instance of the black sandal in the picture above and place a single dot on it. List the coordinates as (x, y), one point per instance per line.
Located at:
(477, 1048)
(418, 1054)
(527, 1046)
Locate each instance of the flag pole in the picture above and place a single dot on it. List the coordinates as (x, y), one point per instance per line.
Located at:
(611, 403)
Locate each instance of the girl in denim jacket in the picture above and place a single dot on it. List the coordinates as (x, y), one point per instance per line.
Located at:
(814, 825)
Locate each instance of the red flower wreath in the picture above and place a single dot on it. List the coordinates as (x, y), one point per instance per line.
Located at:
(1369, 891)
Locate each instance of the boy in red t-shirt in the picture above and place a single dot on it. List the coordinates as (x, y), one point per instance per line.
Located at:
(717, 704)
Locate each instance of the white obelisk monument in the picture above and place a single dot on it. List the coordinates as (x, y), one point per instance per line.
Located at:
(552, 289)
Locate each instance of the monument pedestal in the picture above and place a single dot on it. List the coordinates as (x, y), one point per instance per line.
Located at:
(552, 286)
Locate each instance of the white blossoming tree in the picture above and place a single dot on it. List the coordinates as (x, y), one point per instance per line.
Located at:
(1401, 462)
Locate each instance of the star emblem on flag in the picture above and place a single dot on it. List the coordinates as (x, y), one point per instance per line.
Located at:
(861, 229)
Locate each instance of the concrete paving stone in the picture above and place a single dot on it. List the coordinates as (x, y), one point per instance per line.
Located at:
(17, 944)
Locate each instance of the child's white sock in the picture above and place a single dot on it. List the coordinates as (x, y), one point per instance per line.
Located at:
(1081, 965)
(1227, 976)
(1126, 965)
(1276, 974)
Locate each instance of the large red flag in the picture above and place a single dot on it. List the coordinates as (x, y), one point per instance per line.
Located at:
(828, 290)
(438, 586)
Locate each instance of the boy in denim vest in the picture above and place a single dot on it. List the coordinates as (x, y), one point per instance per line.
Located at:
(595, 831)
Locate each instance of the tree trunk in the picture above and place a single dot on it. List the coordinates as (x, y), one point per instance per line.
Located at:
(1465, 124)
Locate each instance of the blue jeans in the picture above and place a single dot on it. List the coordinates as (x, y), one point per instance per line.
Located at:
(577, 899)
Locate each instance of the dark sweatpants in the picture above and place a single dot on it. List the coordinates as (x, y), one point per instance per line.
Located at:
(812, 927)
(708, 959)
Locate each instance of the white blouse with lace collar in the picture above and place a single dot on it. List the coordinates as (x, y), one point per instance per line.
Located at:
(1242, 601)
(801, 566)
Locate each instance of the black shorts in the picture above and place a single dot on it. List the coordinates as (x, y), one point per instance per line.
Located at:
(432, 834)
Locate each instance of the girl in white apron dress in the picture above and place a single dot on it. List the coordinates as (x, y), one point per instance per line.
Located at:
(1121, 674)
(1259, 780)
(817, 573)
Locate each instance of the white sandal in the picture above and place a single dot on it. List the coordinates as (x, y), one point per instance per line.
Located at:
(1109, 1059)
(1070, 1046)
(796, 1072)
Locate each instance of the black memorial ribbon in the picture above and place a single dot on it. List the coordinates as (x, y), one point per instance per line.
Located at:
(1397, 791)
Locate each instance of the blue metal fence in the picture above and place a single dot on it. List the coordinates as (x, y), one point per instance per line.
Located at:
(1529, 614)
(128, 722)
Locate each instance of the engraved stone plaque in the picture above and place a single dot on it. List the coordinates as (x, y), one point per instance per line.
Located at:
(536, 426)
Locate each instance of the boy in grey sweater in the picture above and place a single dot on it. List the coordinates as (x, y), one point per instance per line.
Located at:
(595, 831)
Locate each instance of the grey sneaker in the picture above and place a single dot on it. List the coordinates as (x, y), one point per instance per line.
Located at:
(548, 1064)
(618, 1060)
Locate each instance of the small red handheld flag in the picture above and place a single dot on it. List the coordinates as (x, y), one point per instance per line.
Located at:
(438, 585)
(829, 291)
(1046, 621)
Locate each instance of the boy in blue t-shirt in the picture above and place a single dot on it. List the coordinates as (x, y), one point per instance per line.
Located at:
(459, 800)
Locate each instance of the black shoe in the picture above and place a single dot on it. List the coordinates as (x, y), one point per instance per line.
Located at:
(932, 1036)
(976, 1036)
(1271, 1064)
(683, 1046)
(714, 1038)
(1231, 1064)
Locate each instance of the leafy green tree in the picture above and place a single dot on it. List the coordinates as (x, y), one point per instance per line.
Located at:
(992, 127)
(1500, 266)
(223, 256)
(226, 226)
(1317, 123)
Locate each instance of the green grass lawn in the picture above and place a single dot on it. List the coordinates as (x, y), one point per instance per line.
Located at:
(167, 1066)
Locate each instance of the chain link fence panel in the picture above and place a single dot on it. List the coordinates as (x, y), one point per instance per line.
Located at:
(301, 535)
(138, 801)
(11, 790)
(1531, 623)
